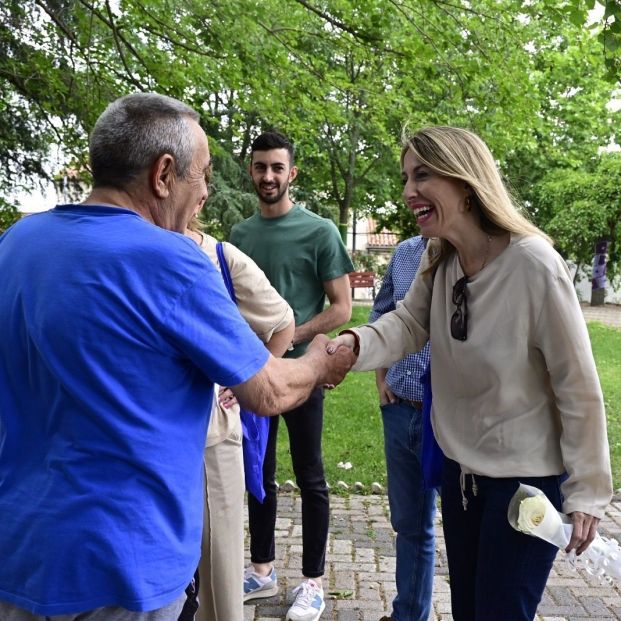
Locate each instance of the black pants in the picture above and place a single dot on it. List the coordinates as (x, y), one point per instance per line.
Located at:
(496, 572)
(305, 424)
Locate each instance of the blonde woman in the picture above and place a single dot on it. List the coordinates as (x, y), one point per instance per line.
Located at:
(516, 392)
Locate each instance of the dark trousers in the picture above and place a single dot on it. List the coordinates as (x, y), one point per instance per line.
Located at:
(495, 571)
(304, 424)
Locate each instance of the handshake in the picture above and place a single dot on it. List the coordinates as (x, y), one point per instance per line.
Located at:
(285, 383)
(332, 358)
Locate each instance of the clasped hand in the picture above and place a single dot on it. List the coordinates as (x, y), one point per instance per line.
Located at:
(346, 340)
(334, 358)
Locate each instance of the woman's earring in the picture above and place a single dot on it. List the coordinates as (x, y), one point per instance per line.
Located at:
(468, 203)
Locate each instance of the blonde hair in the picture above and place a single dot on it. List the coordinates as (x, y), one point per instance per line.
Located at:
(196, 225)
(460, 154)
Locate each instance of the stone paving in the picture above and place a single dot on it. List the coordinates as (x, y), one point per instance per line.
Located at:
(360, 566)
(360, 562)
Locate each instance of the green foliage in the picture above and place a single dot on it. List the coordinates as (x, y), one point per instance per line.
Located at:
(341, 78)
(231, 197)
(610, 37)
(609, 30)
(9, 215)
(399, 219)
(579, 207)
(368, 262)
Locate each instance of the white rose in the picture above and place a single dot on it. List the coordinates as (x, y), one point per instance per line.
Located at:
(538, 517)
(532, 512)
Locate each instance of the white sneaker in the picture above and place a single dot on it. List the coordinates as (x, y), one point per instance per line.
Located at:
(256, 586)
(308, 604)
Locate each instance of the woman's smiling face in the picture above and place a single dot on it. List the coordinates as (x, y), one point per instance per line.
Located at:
(437, 202)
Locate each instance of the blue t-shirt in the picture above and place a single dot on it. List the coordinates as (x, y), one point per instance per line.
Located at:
(113, 332)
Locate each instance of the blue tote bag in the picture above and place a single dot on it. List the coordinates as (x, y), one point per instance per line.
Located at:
(255, 428)
(432, 457)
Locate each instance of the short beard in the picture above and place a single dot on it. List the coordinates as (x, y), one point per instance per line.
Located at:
(271, 200)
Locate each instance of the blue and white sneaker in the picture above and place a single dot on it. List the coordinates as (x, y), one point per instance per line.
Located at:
(256, 586)
(308, 604)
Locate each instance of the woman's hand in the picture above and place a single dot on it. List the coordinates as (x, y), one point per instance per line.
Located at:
(386, 395)
(585, 529)
(348, 340)
(226, 398)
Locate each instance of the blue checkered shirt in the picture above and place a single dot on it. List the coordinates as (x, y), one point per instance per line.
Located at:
(403, 377)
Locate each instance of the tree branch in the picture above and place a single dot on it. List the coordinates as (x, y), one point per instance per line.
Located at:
(339, 24)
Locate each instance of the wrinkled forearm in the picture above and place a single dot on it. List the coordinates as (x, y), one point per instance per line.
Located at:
(283, 384)
(279, 386)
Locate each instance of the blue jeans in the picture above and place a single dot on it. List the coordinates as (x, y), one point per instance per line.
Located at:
(411, 512)
(496, 572)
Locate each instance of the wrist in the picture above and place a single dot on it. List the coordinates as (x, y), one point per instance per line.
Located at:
(356, 346)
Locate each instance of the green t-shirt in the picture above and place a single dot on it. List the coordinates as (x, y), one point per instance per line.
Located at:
(298, 252)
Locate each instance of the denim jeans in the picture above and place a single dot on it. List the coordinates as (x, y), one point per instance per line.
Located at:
(495, 571)
(411, 512)
(305, 425)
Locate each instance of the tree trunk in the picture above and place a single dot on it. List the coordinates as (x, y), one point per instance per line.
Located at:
(598, 289)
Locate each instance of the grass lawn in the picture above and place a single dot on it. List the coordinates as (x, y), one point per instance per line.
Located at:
(353, 429)
(606, 343)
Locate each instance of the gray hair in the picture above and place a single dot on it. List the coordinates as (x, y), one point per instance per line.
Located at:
(135, 130)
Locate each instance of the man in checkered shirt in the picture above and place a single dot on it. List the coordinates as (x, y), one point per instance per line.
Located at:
(412, 508)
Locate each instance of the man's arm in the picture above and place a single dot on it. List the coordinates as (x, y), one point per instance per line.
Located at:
(385, 394)
(338, 313)
(277, 345)
(284, 383)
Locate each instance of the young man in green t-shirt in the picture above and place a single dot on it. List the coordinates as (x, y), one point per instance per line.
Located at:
(305, 260)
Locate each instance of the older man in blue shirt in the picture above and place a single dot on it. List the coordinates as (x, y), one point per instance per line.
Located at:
(411, 506)
(115, 328)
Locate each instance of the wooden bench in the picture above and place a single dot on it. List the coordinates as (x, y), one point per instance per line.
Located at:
(362, 279)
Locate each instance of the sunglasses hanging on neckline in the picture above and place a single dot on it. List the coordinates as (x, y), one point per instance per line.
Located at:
(459, 320)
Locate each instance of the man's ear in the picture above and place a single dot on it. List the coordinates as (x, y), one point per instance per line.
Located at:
(293, 173)
(163, 176)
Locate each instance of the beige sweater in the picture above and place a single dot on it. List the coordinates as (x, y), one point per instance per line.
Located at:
(260, 305)
(521, 396)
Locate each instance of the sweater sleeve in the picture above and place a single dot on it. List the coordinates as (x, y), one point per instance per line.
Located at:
(402, 331)
(562, 337)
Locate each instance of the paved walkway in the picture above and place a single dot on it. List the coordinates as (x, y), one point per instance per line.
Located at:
(360, 567)
(360, 563)
(609, 314)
